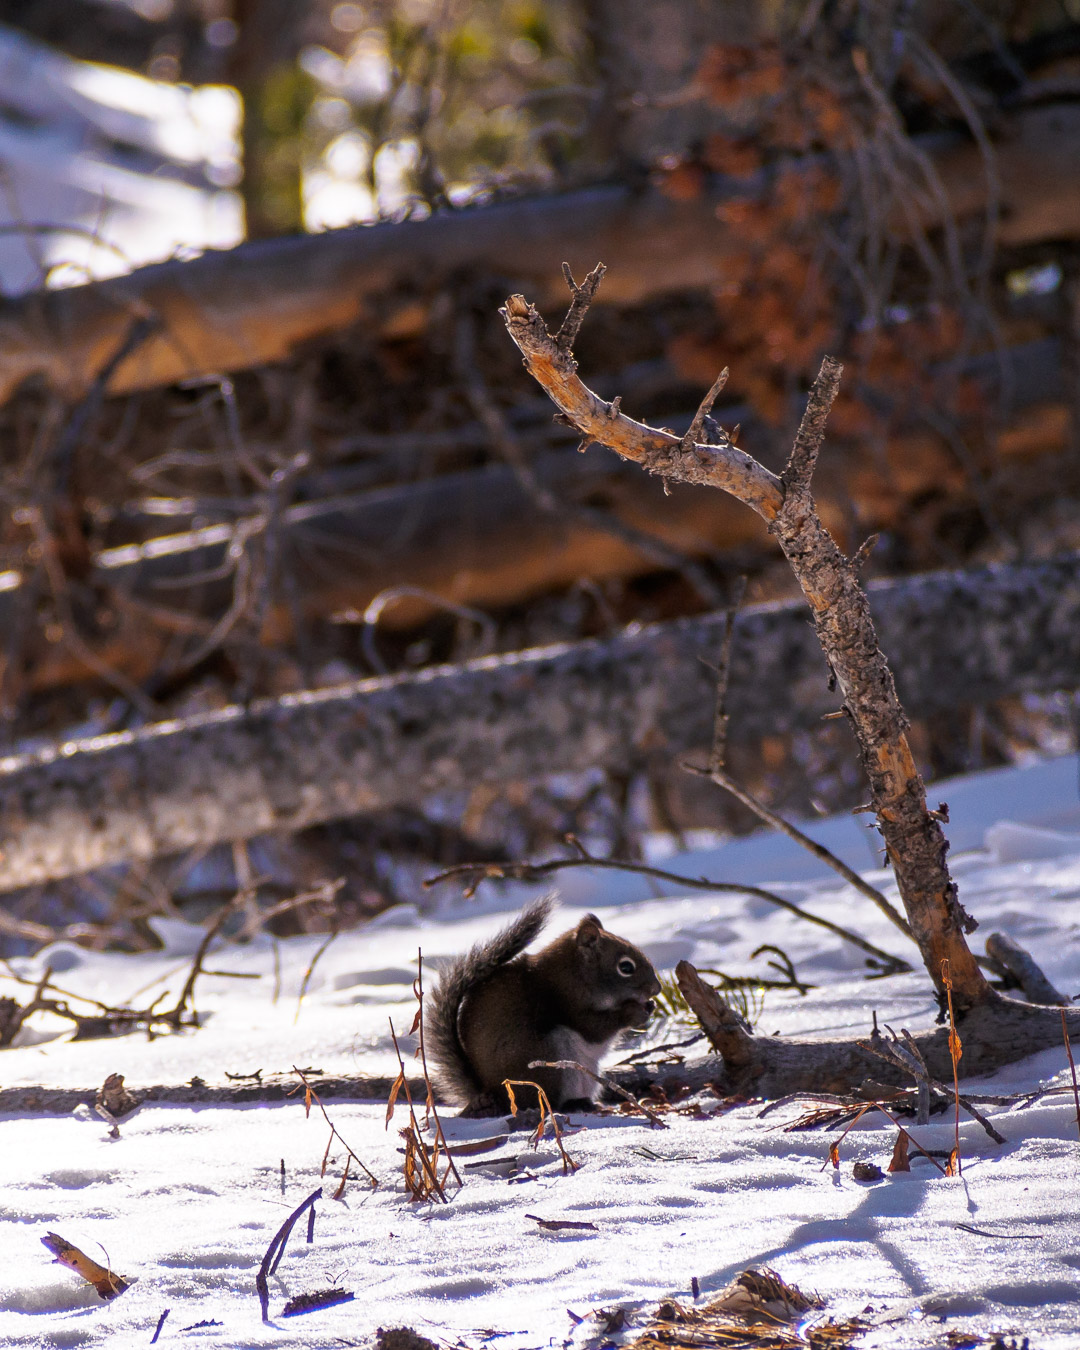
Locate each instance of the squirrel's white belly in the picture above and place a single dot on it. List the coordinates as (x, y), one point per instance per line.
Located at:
(568, 1044)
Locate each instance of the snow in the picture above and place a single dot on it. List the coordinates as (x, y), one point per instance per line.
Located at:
(105, 170)
(185, 1202)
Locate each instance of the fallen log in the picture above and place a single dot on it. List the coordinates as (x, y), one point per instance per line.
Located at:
(479, 537)
(44, 1100)
(956, 638)
(998, 1031)
(258, 302)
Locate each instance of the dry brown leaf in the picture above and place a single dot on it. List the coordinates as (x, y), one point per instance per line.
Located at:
(899, 1161)
(399, 1083)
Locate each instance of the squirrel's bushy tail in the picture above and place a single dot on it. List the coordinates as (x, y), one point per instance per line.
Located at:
(454, 1073)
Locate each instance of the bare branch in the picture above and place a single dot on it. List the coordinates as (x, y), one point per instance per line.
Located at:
(660, 452)
(723, 676)
(697, 425)
(579, 305)
(800, 466)
(471, 874)
(723, 779)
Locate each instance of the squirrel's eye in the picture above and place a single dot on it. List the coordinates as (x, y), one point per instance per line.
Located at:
(625, 966)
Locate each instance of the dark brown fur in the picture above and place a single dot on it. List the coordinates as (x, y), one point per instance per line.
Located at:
(495, 1010)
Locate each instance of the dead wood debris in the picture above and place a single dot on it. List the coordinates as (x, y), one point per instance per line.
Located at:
(563, 1225)
(107, 1282)
(757, 1311)
(276, 1250)
(315, 1301)
(113, 1102)
(1007, 958)
(109, 1021)
(402, 1338)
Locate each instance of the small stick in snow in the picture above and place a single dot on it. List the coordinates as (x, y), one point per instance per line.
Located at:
(276, 1251)
(1072, 1066)
(985, 1232)
(160, 1324)
(556, 1225)
(956, 1049)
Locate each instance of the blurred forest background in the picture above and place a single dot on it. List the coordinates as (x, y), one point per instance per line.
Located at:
(316, 459)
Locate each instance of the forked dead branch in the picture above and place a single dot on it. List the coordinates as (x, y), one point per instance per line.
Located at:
(996, 1030)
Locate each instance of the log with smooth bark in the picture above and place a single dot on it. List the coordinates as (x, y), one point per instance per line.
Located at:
(645, 696)
(40, 1099)
(261, 301)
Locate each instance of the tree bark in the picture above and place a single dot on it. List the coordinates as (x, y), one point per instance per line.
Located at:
(259, 302)
(995, 1030)
(620, 703)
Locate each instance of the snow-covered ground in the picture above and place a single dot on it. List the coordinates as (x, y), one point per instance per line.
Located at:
(104, 170)
(186, 1201)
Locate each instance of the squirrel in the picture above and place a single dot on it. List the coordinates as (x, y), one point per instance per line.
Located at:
(495, 1010)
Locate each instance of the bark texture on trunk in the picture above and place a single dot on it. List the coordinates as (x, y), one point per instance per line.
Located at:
(616, 703)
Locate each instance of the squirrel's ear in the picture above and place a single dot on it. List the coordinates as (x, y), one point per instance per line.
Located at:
(588, 930)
